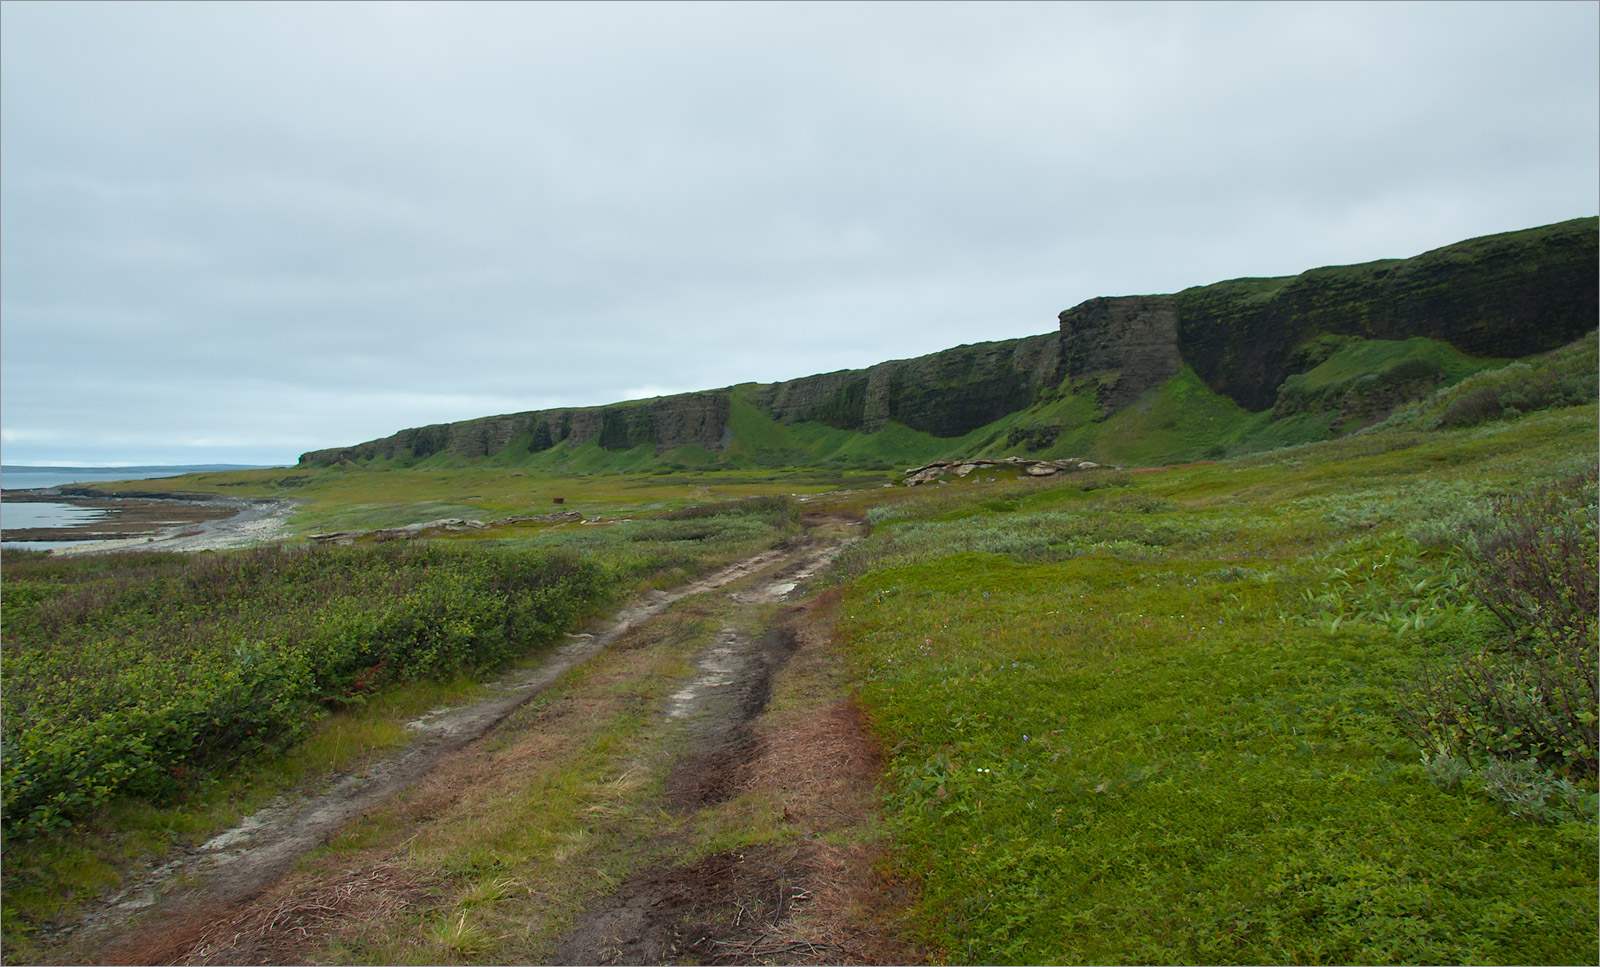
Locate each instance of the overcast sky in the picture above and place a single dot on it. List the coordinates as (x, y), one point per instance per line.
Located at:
(234, 232)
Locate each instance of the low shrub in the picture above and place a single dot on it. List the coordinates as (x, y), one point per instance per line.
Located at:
(1033, 436)
(1529, 694)
(774, 511)
(1470, 409)
(142, 677)
(1493, 705)
(1522, 786)
(1535, 563)
(1565, 377)
(679, 541)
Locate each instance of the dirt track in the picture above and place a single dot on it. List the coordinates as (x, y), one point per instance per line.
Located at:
(188, 910)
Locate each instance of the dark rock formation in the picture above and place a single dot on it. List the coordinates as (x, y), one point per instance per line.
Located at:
(946, 394)
(1505, 295)
(1127, 345)
(690, 419)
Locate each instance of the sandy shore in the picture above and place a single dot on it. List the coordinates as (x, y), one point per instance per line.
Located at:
(255, 522)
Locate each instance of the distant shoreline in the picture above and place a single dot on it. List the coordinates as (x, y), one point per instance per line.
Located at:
(26, 476)
(187, 467)
(154, 520)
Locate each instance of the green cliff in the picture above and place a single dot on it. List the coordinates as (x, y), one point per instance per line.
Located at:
(1101, 382)
(946, 394)
(1502, 296)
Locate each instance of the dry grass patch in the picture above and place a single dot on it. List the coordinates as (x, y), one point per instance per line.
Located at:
(817, 760)
(279, 931)
(485, 857)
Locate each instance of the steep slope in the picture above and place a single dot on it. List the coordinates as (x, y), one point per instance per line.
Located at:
(946, 395)
(1505, 295)
(1245, 340)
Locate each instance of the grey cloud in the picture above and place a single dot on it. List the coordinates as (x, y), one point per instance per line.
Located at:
(404, 211)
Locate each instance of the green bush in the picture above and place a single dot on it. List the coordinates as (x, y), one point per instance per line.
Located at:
(679, 541)
(1565, 377)
(1529, 694)
(1535, 561)
(141, 676)
(1470, 409)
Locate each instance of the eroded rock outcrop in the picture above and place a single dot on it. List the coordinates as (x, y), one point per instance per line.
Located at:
(668, 422)
(1506, 295)
(1127, 345)
(944, 394)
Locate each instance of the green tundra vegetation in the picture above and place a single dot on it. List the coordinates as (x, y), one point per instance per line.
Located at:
(1329, 696)
(134, 674)
(1335, 704)
(151, 697)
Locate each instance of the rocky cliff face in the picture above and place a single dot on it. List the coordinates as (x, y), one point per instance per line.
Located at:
(1126, 345)
(691, 419)
(954, 392)
(1504, 295)
(945, 394)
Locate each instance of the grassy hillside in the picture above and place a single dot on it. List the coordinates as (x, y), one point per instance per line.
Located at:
(1503, 295)
(1291, 705)
(1179, 421)
(1353, 383)
(1256, 712)
(1425, 321)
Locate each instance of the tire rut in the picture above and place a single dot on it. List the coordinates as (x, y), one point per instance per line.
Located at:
(723, 908)
(176, 901)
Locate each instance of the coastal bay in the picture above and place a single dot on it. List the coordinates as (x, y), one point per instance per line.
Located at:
(168, 522)
(61, 509)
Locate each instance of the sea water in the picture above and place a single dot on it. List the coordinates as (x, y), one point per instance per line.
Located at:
(32, 478)
(46, 514)
(41, 514)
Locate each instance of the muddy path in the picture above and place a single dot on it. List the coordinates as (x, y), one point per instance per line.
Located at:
(782, 902)
(176, 913)
(731, 906)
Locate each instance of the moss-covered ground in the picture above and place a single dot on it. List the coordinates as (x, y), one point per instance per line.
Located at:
(1156, 718)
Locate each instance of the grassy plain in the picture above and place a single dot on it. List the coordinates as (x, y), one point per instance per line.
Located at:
(369, 497)
(1160, 717)
(1167, 716)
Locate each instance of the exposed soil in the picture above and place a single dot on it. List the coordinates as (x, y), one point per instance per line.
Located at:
(719, 910)
(238, 863)
(277, 932)
(731, 690)
(806, 902)
(218, 902)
